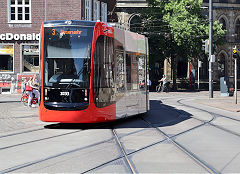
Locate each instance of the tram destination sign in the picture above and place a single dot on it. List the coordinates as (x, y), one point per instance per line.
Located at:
(11, 36)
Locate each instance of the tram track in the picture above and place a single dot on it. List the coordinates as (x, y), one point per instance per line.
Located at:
(41, 139)
(115, 137)
(215, 116)
(212, 113)
(34, 141)
(125, 155)
(200, 162)
(167, 138)
(18, 133)
(28, 164)
(130, 165)
(30, 116)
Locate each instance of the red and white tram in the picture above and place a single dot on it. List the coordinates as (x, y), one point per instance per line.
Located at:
(91, 72)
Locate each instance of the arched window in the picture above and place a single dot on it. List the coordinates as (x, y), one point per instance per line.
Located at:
(222, 65)
(223, 22)
(135, 23)
(237, 30)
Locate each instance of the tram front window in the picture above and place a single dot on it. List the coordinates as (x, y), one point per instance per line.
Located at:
(67, 56)
(63, 72)
(67, 53)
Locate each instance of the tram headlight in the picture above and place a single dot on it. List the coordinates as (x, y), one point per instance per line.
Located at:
(46, 92)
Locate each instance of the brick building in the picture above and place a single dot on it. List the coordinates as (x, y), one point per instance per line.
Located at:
(20, 22)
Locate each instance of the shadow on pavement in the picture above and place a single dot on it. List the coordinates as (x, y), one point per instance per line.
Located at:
(81, 126)
(159, 115)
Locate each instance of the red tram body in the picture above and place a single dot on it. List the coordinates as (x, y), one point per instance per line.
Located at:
(91, 72)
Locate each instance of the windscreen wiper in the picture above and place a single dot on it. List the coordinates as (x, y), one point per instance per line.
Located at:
(78, 74)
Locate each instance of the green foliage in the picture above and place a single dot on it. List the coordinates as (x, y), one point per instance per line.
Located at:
(178, 27)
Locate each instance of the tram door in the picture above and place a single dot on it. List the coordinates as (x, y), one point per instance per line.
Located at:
(120, 82)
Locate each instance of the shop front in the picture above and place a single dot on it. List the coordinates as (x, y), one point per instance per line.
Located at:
(19, 59)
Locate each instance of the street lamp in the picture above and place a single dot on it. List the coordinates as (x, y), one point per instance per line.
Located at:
(235, 56)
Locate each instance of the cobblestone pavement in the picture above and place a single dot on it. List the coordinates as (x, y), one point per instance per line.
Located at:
(14, 115)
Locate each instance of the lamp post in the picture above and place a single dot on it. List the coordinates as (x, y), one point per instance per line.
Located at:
(235, 80)
(235, 56)
(210, 48)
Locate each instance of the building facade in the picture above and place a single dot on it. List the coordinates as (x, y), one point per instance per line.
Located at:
(226, 11)
(20, 22)
(128, 12)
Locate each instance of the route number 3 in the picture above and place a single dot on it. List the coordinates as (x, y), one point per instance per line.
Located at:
(53, 31)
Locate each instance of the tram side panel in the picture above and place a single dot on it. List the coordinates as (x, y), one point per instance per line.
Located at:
(130, 73)
(119, 73)
(135, 60)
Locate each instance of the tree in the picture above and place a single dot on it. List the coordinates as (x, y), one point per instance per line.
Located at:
(177, 29)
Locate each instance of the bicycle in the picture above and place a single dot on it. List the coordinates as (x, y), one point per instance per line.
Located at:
(25, 96)
(159, 87)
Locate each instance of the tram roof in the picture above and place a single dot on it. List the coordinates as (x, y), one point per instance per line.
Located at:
(70, 22)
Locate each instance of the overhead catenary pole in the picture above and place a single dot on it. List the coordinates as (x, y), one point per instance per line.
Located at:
(210, 47)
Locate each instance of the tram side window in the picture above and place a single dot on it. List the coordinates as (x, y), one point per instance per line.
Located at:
(141, 71)
(103, 72)
(128, 70)
(132, 71)
(120, 72)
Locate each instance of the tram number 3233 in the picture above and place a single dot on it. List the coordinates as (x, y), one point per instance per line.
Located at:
(64, 93)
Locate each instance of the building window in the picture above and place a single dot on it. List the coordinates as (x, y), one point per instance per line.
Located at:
(104, 11)
(223, 22)
(30, 58)
(222, 65)
(88, 10)
(96, 10)
(20, 11)
(237, 30)
(6, 58)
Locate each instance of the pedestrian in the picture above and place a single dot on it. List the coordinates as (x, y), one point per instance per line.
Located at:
(163, 82)
(192, 81)
(149, 83)
(36, 86)
(29, 89)
(32, 88)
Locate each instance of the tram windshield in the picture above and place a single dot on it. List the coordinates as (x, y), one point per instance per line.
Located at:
(67, 52)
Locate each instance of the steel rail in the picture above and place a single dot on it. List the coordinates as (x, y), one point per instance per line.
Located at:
(14, 168)
(200, 162)
(209, 122)
(23, 132)
(41, 139)
(219, 115)
(123, 151)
